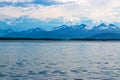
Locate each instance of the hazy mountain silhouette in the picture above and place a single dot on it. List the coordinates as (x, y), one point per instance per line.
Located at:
(82, 31)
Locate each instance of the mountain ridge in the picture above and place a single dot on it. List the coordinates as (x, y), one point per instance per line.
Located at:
(66, 32)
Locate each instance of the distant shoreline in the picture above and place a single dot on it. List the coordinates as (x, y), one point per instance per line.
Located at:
(53, 39)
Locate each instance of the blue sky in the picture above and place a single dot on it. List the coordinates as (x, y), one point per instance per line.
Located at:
(57, 12)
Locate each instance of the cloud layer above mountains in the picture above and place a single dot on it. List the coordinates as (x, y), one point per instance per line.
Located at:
(68, 11)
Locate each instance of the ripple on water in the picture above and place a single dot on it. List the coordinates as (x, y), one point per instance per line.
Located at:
(2, 75)
(42, 63)
(109, 79)
(17, 76)
(102, 63)
(3, 66)
(78, 70)
(52, 64)
(117, 69)
(14, 68)
(48, 67)
(59, 72)
(20, 64)
(78, 79)
(31, 73)
(16, 79)
(43, 72)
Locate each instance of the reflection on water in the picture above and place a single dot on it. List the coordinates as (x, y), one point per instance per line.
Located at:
(59, 60)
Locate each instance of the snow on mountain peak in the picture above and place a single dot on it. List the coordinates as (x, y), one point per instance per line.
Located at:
(104, 26)
(101, 26)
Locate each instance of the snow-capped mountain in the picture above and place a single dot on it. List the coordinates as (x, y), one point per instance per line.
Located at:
(102, 31)
(103, 26)
(22, 23)
(74, 27)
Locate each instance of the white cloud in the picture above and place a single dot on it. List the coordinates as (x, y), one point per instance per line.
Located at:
(100, 10)
(16, 1)
(11, 12)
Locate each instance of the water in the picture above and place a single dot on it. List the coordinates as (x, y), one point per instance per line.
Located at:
(55, 60)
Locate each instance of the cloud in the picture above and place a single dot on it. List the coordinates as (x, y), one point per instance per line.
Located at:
(43, 12)
(72, 11)
(24, 2)
(16, 1)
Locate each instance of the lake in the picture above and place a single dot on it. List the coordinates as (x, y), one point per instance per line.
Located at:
(59, 60)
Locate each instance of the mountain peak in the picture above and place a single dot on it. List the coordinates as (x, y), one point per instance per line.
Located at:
(102, 25)
(83, 25)
(60, 27)
(35, 30)
(112, 25)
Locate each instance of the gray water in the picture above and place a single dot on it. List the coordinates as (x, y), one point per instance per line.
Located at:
(55, 60)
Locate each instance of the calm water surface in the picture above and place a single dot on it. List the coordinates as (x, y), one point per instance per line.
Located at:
(55, 60)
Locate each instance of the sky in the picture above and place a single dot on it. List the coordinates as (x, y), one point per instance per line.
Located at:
(50, 13)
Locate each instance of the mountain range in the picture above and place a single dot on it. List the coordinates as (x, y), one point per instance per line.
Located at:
(82, 31)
